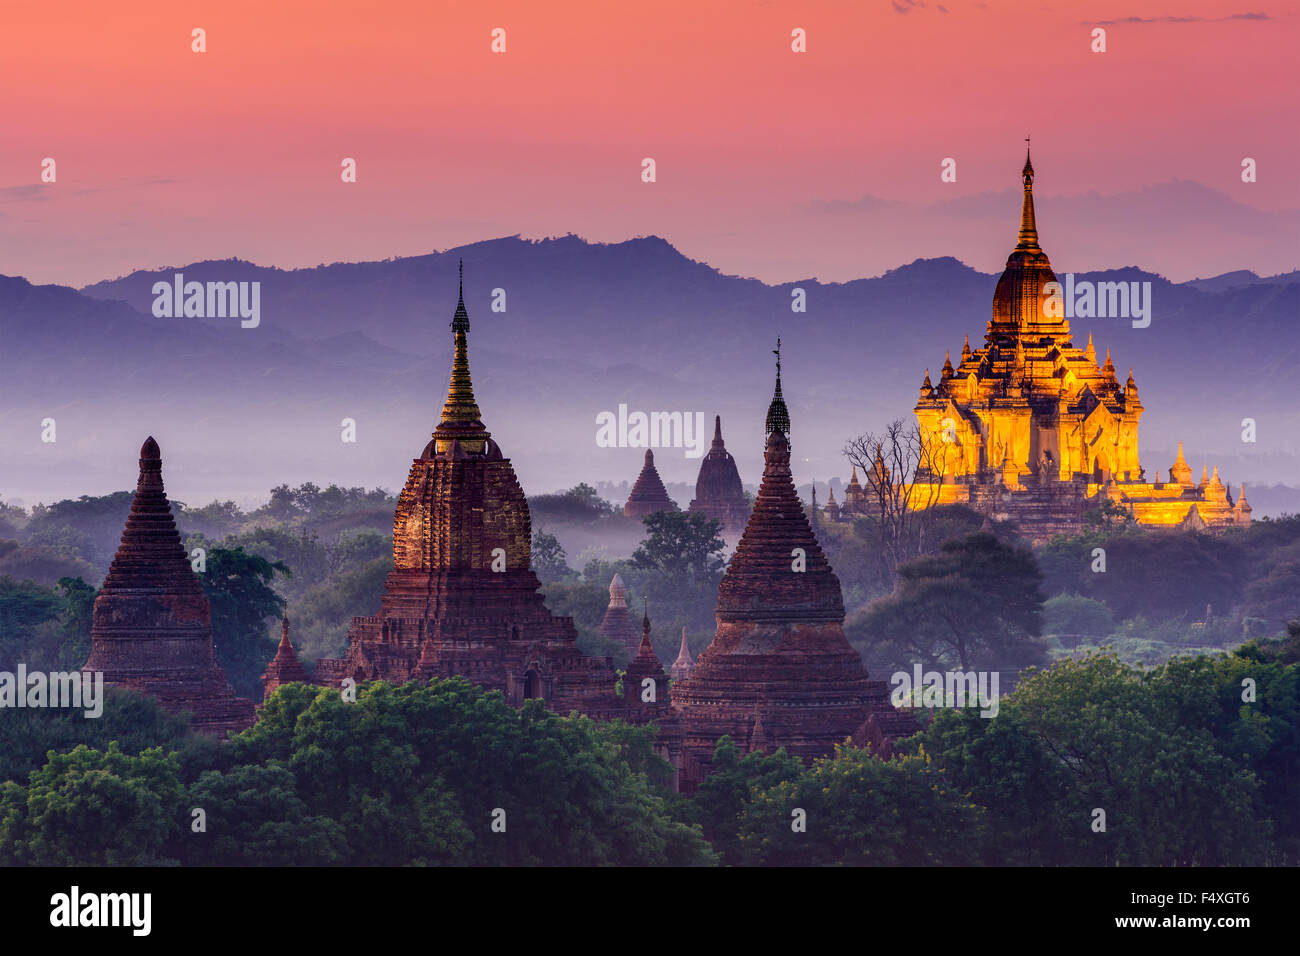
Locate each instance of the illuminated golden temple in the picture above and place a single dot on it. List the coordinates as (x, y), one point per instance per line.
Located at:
(1030, 427)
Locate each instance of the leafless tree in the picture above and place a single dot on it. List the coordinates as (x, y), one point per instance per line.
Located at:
(901, 471)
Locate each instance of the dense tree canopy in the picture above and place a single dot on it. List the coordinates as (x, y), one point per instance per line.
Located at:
(238, 585)
(976, 603)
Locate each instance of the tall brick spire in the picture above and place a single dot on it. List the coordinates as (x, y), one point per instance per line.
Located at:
(719, 492)
(285, 667)
(151, 553)
(648, 492)
(461, 418)
(779, 671)
(759, 581)
(151, 627)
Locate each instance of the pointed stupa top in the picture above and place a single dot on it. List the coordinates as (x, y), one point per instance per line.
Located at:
(645, 663)
(617, 624)
(645, 626)
(719, 492)
(617, 591)
(648, 492)
(947, 365)
(1091, 350)
(965, 349)
(831, 499)
(1028, 228)
(461, 419)
(682, 666)
(1180, 472)
(1130, 385)
(1018, 297)
(285, 667)
(778, 416)
(778, 525)
(150, 555)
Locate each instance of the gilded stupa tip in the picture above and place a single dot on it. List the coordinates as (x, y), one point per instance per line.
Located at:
(461, 418)
(1028, 238)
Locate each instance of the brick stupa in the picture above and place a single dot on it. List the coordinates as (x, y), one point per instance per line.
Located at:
(648, 492)
(617, 625)
(779, 671)
(151, 628)
(646, 699)
(682, 666)
(462, 598)
(719, 493)
(285, 668)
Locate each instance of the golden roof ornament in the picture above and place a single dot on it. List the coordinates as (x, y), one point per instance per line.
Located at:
(1028, 227)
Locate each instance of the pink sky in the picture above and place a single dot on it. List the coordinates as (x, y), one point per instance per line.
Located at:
(764, 156)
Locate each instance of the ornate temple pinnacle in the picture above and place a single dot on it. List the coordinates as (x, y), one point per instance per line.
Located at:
(778, 416)
(1028, 227)
(150, 465)
(460, 321)
(461, 418)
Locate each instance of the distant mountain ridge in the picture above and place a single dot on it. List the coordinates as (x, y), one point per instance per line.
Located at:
(585, 327)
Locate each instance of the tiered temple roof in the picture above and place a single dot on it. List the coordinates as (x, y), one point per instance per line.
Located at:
(285, 668)
(779, 658)
(682, 666)
(719, 492)
(151, 627)
(1031, 427)
(462, 598)
(648, 492)
(617, 625)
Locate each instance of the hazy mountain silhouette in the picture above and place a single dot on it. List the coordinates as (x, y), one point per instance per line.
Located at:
(585, 327)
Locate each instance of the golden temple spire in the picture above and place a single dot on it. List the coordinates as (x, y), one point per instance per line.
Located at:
(1028, 228)
(460, 415)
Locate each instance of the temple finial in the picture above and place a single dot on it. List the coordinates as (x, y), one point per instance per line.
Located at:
(460, 321)
(1028, 227)
(460, 414)
(778, 416)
